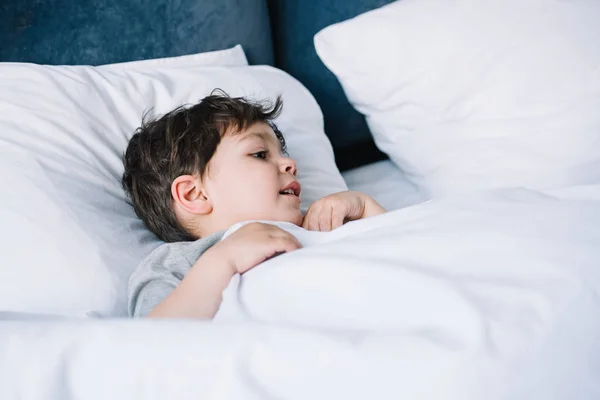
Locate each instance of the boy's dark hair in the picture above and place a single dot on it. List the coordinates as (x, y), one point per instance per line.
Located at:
(182, 142)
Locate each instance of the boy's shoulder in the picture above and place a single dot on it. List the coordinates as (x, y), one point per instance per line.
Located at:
(162, 270)
(179, 255)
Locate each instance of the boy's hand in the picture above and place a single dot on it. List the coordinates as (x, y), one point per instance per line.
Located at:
(200, 293)
(254, 243)
(332, 211)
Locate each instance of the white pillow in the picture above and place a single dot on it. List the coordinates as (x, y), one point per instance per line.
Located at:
(70, 239)
(469, 94)
(234, 56)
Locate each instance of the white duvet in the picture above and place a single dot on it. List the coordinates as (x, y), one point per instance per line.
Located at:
(487, 296)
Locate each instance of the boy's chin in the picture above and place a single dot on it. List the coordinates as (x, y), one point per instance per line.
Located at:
(296, 218)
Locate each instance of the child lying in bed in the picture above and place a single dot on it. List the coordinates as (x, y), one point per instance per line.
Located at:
(195, 172)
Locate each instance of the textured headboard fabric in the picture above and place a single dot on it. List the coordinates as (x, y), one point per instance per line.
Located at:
(273, 32)
(98, 32)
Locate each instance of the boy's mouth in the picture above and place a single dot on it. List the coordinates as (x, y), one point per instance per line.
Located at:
(292, 189)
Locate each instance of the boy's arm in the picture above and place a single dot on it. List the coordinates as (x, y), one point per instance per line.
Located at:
(200, 293)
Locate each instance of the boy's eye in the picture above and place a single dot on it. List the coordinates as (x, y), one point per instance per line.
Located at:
(260, 154)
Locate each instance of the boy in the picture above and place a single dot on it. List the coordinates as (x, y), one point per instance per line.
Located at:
(195, 172)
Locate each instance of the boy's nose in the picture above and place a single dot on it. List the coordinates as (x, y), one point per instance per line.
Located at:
(288, 165)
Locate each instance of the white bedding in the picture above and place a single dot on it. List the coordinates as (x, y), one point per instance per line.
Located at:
(486, 296)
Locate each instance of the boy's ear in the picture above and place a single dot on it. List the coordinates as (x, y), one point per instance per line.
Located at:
(188, 192)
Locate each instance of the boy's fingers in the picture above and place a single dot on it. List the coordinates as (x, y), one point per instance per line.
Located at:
(313, 223)
(282, 236)
(295, 242)
(288, 243)
(325, 219)
(337, 219)
(305, 220)
(311, 220)
(307, 217)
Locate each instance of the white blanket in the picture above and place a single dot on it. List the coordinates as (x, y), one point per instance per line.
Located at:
(488, 296)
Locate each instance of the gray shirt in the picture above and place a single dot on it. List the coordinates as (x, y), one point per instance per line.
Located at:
(162, 271)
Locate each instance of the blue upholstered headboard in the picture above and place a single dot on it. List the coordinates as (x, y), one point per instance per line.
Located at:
(107, 31)
(274, 32)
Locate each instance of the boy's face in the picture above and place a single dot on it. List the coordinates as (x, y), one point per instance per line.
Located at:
(249, 178)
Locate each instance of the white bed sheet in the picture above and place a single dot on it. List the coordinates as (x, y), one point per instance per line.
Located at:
(489, 296)
(386, 183)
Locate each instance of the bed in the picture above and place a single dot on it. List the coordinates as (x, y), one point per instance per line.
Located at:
(482, 141)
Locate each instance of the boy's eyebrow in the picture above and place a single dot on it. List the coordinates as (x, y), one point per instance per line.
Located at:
(266, 136)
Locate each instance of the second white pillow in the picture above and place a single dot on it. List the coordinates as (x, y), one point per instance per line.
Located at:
(468, 94)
